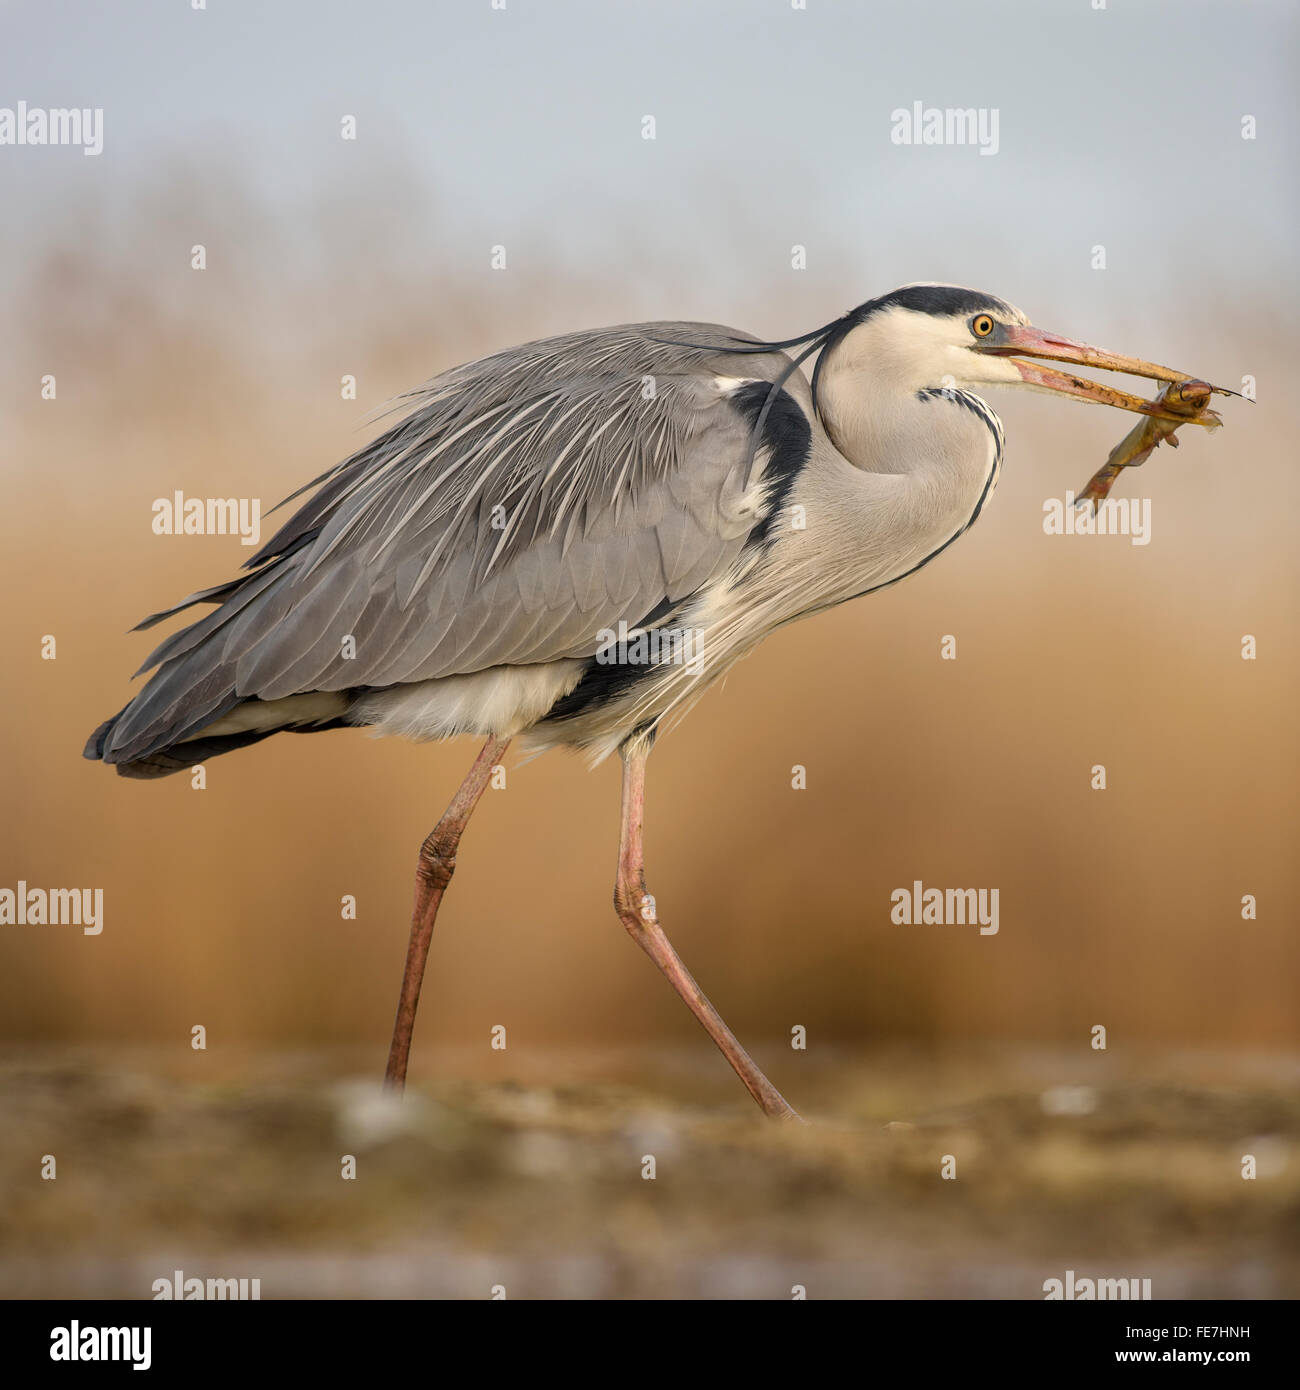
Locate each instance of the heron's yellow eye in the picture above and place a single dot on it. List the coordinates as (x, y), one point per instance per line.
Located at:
(981, 325)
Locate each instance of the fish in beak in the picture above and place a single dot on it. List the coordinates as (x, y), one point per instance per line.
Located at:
(1185, 399)
(1009, 340)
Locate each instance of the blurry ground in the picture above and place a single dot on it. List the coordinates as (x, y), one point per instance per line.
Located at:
(1110, 1167)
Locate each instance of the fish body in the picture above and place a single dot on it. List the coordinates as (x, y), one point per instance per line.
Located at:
(1180, 403)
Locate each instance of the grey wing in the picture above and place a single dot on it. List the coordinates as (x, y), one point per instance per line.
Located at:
(527, 502)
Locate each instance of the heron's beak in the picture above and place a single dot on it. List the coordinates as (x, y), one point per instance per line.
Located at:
(1013, 339)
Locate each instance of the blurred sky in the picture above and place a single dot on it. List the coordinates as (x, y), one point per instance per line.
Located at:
(1119, 126)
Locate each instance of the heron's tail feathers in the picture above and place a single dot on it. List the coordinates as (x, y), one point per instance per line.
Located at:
(238, 723)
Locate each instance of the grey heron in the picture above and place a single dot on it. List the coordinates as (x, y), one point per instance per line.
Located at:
(568, 541)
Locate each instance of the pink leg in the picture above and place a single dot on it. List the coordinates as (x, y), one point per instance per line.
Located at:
(433, 873)
(636, 909)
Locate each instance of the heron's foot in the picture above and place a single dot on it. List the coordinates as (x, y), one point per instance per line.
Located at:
(638, 913)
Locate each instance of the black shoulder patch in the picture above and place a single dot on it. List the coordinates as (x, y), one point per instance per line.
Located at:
(787, 437)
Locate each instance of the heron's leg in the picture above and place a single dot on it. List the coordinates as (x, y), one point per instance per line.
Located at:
(636, 909)
(433, 873)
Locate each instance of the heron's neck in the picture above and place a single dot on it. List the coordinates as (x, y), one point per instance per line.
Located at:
(882, 425)
(888, 485)
(909, 472)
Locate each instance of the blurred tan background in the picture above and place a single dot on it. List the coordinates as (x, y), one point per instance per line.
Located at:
(222, 906)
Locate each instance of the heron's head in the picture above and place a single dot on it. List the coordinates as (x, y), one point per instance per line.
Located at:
(928, 337)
